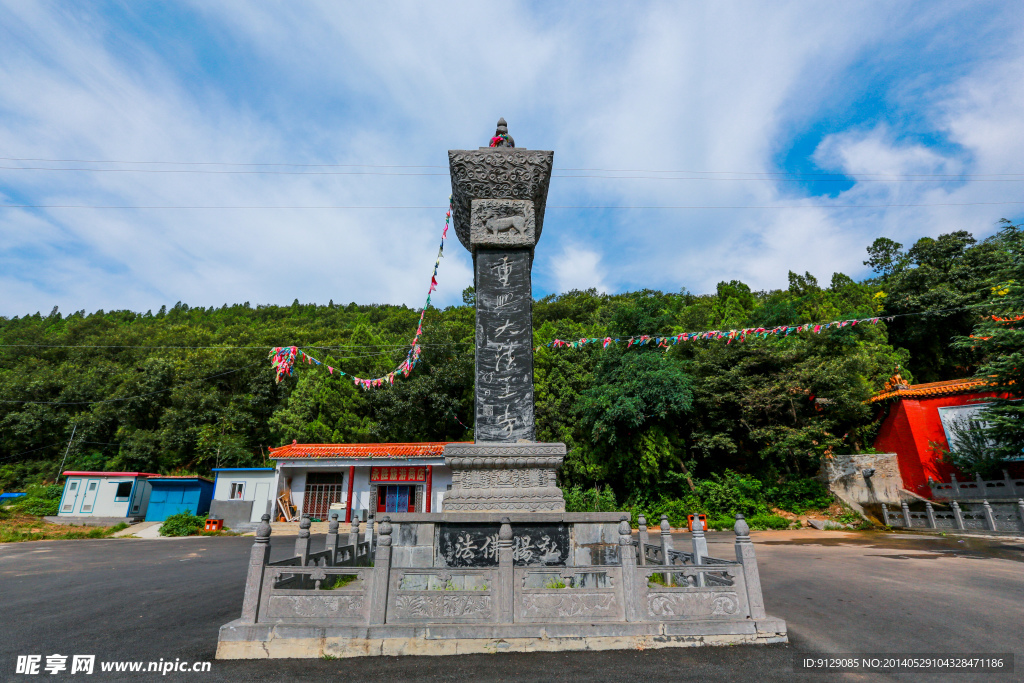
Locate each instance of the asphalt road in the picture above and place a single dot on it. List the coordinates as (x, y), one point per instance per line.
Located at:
(141, 600)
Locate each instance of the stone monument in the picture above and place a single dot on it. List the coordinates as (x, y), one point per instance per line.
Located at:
(503, 567)
(499, 194)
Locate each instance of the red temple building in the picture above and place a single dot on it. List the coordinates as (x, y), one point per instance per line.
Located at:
(916, 419)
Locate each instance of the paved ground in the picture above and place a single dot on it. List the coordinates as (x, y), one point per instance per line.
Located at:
(143, 600)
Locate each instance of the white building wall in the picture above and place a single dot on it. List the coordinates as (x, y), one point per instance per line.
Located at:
(362, 487)
(105, 502)
(250, 479)
(298, 487)
(442, 478)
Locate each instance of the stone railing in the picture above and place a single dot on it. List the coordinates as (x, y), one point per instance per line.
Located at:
(334, 587)
(979, 489)
(1003, 518)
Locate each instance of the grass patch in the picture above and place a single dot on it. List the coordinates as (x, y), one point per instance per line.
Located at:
(16, 527)
(342, 580)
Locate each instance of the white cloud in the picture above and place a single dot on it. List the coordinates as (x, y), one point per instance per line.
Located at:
(715, 87)
(579, 268)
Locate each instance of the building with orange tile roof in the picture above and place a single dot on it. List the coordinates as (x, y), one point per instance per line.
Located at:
(359, 479)
(915, 420)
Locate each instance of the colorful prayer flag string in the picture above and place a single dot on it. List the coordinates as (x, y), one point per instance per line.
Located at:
(729, 335)
(283, 358)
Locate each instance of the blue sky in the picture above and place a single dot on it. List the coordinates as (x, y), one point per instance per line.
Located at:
(725, 104)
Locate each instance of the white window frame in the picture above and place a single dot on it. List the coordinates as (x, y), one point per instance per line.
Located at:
(241, 490)
(121, 499)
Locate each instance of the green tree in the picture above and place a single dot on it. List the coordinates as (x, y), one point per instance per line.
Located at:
(946, 275)
(999, 339)
(631, 417)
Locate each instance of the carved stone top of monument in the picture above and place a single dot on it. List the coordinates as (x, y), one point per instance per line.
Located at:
(501, 137)
(513, 180)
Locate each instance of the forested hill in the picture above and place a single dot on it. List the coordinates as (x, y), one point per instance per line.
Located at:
(188, 389)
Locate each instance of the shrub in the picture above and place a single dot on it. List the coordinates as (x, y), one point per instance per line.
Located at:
(763, 521)
(723, 522)
(799, 496)
(37, 506)
(39, 501)
(182, 524)
(590, 500)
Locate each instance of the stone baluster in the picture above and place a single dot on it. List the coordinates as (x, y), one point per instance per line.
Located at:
(369, 531)
(666, 547)
(332, 539)
(381, 573)
(906, 513)
(353, 536)
(258, 558)
(931, 514)
(957, 515)
(506, 572)
(302, 542)
(885, 514)
(745, 556)
(1020, 511)
(631, 582)
(700, 546)
(990, 520)
(955, 486)
(643, 539)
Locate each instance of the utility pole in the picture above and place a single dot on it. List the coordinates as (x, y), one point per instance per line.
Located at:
(61, 468)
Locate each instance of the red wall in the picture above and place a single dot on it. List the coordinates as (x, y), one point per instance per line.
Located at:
(907, 430)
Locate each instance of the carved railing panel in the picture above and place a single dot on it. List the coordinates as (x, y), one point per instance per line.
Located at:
(1007, 522)
(978, 490)
(700, 592)
(315, 594)
(591, 593)
(440, 596)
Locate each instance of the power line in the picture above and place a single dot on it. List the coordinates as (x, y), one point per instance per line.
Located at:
(218, 163)
(58, 443)
(204, 171)
(580, 207)
(794, 174)
(393, 347)
(128, 398)
(816, 178)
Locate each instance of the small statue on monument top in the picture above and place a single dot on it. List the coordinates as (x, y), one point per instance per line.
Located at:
(501, 137)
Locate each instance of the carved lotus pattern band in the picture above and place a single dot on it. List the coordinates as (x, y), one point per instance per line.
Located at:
(502, 173)
(518, 504)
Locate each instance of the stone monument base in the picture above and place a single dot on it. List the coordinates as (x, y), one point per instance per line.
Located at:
(519, 477)
(458, 582)
(239, 640)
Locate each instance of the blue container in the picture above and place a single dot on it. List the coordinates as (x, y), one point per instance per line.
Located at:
(173, 495)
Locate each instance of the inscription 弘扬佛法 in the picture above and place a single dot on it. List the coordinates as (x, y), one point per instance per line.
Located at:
(476, 545)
